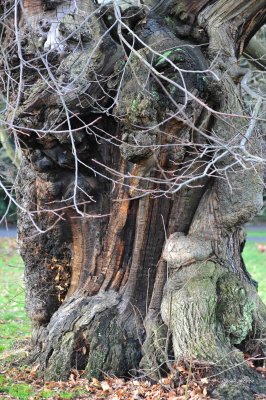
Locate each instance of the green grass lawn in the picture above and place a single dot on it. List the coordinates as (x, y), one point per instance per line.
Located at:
(256, 234)
(15, 333)
(14, 324)
(256, 261)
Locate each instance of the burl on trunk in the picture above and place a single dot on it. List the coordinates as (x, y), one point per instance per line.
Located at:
(140, 169)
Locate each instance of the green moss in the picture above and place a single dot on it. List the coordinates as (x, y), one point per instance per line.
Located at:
(134, 105)
(96, 361)
(169, 22)
(119, 66)
(162, 58)
(198, 349)
(155, 94)
(235, 308)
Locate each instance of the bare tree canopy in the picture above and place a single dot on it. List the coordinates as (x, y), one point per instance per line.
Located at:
(141, 164)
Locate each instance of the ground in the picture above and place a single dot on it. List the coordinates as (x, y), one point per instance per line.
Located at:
(18, 381)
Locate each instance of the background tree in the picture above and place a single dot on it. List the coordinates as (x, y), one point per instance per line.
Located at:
(9, 162)
(140, 167)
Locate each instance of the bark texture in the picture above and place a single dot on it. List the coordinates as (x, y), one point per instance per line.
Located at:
(129, 272)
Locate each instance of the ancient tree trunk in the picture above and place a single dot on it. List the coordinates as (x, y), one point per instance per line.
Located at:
(140, 168)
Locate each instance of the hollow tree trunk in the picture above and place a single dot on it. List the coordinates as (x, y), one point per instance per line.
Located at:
(140, 187)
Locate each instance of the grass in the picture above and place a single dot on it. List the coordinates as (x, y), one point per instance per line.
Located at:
(14, 324)
(255, 261)
(25, 391)
(258, 233)
(19, 391)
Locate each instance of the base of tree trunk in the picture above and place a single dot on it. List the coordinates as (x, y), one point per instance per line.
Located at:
(216, 311)
(91, 334)
(244, 389)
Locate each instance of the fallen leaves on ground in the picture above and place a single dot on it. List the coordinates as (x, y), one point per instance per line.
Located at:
(111, 388)
(185, 385)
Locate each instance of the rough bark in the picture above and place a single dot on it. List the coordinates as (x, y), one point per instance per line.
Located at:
(129, 272)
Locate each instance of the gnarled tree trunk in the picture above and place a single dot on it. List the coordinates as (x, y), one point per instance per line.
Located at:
(140, 167)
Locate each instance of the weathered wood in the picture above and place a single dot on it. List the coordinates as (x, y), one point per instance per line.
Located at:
(230, 25)
(33, 7)
(135, 117)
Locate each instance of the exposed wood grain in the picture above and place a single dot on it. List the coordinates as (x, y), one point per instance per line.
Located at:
(231, 24)
(33, 7)
(79, 238)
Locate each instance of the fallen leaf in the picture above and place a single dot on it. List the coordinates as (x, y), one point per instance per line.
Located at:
(96, 383)
(34, 370)
(105, 386)
(261, 247)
